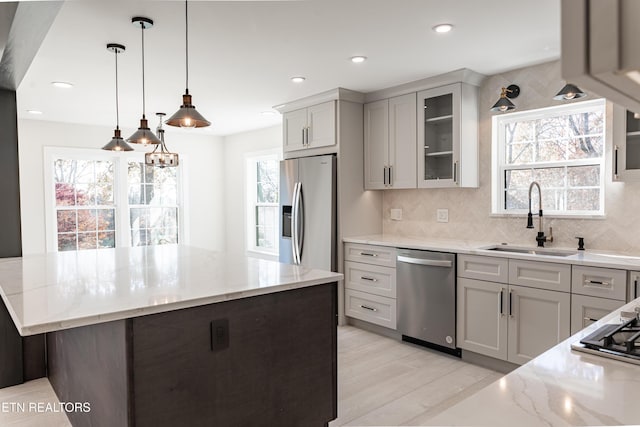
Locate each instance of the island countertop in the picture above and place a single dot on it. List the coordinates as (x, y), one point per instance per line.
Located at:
(55, 291)
(561, 387)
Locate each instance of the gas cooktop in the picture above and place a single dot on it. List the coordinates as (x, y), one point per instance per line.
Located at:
(620, 341)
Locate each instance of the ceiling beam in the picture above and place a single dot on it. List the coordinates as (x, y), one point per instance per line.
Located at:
(22, 29)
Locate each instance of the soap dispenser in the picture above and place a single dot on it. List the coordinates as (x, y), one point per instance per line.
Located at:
(580, 243)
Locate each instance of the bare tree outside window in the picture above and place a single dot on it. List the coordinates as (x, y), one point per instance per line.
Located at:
(560, 148)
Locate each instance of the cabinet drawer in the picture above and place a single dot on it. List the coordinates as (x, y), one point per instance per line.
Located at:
(541, 275)
(371, 308)
(599, 282)
(369, 254)
(483, 268)
(585, 310)
(370, 278)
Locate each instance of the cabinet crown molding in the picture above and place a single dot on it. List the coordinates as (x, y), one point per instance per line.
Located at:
(340, 94)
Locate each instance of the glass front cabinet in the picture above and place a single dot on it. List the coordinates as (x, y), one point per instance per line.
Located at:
(626, 146)
(447, 148)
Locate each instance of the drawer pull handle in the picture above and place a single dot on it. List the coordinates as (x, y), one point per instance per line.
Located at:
(367, 254)
(366, 307)
(371, 279)
(591, 319)
(596, 282)
(500, 296)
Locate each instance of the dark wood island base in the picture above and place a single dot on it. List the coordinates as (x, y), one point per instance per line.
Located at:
(260, 361)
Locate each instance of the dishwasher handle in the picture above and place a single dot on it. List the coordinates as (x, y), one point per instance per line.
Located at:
(429, 262)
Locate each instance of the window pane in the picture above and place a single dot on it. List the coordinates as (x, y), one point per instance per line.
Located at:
(65, 194)
(550, 151)
(583, 200)
(584, 176)
(136, 194)
(106, 219)
(87, 241)
(107, 239)
(139, 218)
(585, 148)
(517, 199)
(85, 194)
(267, 176)
(519, 153)
(85, 171)
(87, 220)
(519, 132)
(66, 221)
(67, 242)
(135, 174)
(104, 194)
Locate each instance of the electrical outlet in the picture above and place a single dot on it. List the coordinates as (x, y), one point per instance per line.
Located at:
(442, 215)
(219, 334)
(396, 214)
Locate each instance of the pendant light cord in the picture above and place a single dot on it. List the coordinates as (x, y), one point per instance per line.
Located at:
(143, 91)
(186, 38)
(117, 100)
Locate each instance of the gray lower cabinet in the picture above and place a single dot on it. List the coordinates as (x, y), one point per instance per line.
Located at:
(508, 322)
(586, 309)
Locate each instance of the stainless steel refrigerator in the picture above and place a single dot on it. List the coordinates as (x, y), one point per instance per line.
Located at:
(307, 212)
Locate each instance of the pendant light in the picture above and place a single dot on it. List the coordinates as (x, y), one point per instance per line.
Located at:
(162, 158)
(143, 135)
(187, 116)
(117, 143)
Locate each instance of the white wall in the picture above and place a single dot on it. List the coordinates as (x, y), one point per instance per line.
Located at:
(204, 169)
(236, 148)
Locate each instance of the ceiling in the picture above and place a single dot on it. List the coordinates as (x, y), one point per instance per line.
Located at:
(243, 53)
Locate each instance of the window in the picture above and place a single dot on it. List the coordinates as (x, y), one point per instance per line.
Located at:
(153, 204)
(105, 200)
(263, 175)
(84, 204)
(562, 148)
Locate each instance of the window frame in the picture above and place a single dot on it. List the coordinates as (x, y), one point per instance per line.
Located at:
(499, 165)
(120, 192)
(250, 175)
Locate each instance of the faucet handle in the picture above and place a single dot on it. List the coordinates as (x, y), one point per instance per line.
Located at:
(580, 243)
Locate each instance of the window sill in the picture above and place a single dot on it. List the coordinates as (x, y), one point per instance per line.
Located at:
(548, 216)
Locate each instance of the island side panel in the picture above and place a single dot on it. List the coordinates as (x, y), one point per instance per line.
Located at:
(90, 364)
(280, 366)
(10, 350)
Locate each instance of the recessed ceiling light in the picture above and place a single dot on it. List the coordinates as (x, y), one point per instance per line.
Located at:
(63, 85)
(358, 59)
(268, 113)
(34, 112)
(298, 79)
(443, 28)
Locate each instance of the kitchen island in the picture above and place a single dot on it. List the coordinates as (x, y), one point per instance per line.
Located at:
(561, 387)
(174, 335)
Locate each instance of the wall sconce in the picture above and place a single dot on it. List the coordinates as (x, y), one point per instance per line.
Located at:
(503, 104)
(569, 91)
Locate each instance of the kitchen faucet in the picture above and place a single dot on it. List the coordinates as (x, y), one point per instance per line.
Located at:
(540, 238)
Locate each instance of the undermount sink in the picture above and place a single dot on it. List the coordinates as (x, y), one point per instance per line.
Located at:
(541, 251)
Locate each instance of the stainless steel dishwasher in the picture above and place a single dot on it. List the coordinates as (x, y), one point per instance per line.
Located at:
(426, 298)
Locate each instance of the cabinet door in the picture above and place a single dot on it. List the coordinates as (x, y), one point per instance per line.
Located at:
(626, 148)
(438, 136)
(586, 310)
(634, 282)
(376, 144)
(482, 317)
(294, 124)
(538, 320)
(321, 120)
(402, 141)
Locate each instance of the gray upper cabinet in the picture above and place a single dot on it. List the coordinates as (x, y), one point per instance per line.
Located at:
(390, 143)
(626, 146)
(311, 127)
(447, 149)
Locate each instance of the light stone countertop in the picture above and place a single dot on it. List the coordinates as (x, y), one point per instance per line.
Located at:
(588, 257)
(561, 387)
(55, 291)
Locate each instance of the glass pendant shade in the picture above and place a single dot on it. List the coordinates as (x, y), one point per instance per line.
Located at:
(117, 143)
(569, 91)
(160, 156)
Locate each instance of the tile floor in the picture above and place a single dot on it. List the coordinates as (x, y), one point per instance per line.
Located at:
(380, 382)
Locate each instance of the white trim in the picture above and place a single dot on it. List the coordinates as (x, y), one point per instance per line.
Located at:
(498, 168)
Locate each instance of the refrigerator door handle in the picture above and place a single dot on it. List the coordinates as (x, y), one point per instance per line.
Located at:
(294, 225)
(300, 223)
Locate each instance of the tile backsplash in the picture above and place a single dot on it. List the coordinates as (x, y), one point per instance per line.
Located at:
(470, 209)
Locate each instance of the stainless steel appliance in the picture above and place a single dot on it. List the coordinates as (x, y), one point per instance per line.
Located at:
(308, 212)
(620, 341)
(426, 297)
